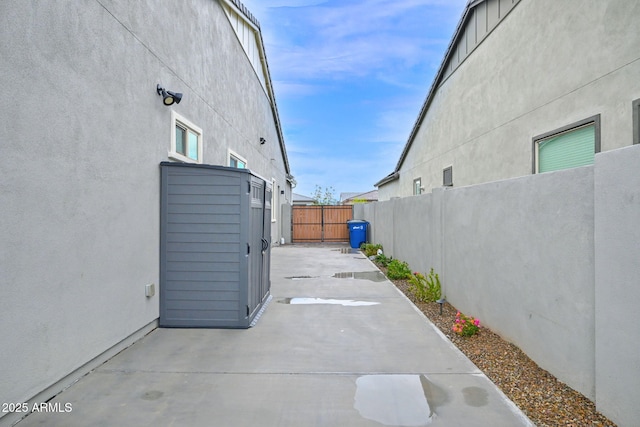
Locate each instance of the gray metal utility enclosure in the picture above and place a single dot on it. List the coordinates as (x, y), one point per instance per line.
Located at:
(215, 229)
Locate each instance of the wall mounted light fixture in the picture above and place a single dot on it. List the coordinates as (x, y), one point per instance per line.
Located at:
(168, 97)
(262, 141)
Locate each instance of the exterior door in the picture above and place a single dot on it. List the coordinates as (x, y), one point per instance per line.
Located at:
(256, 244)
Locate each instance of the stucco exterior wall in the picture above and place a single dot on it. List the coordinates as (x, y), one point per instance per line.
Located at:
(83, 136)
(388, 191)
(530, 76)
(617, 275)
(547, 261)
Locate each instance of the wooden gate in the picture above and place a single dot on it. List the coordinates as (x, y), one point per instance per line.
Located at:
(319, 223)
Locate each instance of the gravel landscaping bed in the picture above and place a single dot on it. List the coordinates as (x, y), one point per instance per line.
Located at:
(544, 399)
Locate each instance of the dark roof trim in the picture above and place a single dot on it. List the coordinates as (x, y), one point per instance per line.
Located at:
(387, 179)
(274, 107)
(242, 8)
(474, 3)
(437, 81)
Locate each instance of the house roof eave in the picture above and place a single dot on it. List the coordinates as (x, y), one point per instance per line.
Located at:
(387, 179)
(241, 8)
(437, 80)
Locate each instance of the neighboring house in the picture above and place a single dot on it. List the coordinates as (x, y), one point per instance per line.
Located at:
(525, 87)
(351, 198)
(299, 199)
(345, 196)
(83, 136)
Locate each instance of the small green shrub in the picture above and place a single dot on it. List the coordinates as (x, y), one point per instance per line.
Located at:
(383, 260)
(370, 249)
(398, 270)
(426, 289)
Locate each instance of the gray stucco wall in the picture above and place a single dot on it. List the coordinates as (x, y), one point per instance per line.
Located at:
(530, 76)
(617, 275)
(519, 254)
(548, 261)
(83, 136)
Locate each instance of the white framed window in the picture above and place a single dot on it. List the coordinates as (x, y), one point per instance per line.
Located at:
(568, 147)
(186, 140)
(236, 160)
(417, 186)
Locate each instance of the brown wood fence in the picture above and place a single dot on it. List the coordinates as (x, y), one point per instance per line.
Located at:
(319, 223)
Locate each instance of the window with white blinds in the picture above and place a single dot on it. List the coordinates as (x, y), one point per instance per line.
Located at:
(569, 147)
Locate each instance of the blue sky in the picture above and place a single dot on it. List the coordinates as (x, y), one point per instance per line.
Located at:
(350, 77)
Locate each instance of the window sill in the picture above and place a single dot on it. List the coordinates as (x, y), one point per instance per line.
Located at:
(182, 158)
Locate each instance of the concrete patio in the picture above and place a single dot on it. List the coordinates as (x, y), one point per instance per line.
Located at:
(332, 348)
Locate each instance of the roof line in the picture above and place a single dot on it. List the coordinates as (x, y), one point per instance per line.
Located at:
(271, 93)
(391, 177)
(274, 107)
(436, 81)
(242, 8)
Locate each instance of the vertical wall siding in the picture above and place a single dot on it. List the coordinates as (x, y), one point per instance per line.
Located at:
(249, 40)
(481, 20)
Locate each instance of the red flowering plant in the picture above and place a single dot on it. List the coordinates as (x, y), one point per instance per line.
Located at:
(466, 326)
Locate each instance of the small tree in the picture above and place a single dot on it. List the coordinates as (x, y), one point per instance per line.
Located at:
(324, 197)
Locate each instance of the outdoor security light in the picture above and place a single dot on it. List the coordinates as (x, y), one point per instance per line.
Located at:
(168, 97)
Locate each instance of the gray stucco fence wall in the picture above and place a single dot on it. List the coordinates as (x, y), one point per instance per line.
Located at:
(617, 280)
(548, 261)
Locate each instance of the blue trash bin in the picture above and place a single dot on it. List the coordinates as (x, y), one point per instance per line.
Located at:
(357, 232)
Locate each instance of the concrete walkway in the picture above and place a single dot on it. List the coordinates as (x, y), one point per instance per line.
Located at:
(327, 351)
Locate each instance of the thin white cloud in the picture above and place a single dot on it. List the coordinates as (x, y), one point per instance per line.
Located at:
(355, 39)
(291, 88)
(383, 53)
(393, 126)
